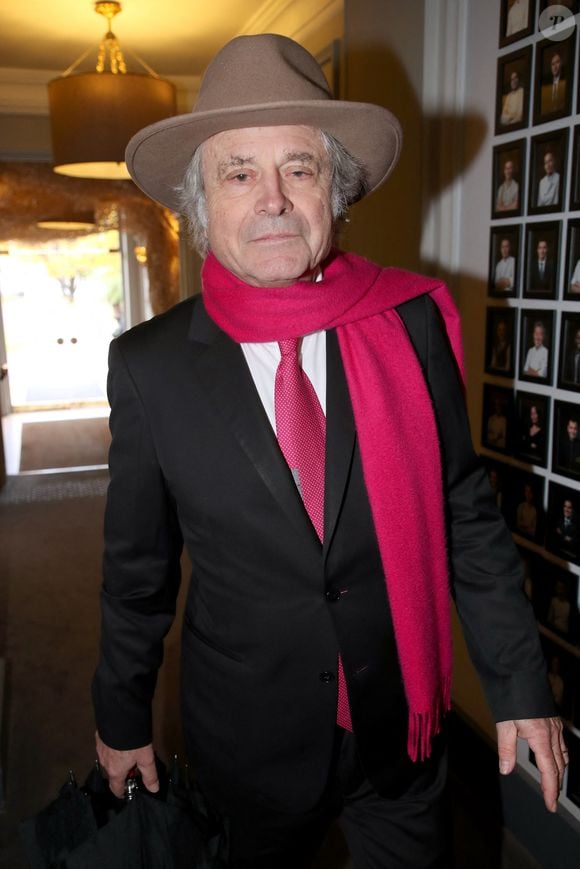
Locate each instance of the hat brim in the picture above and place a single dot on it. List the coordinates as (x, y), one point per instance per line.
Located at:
(158, 156)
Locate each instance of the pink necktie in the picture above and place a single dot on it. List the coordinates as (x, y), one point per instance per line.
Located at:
(301, 432)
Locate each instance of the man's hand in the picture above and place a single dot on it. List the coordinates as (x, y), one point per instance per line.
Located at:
(117, 764)
(545, 737)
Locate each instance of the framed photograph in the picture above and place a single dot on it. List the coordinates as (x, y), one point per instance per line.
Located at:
(542, 260)
(566, 440)
(575, 181)
(562, 536)
(569, 353)
(562, 670)
(524, 508)
(515, 20)
(537, 329)
(497, 421)
(499, 476)
(572, 273)
(533, 425)
(556, 600)
(500, 341)
(504, 260)
(513, 91)
(547, 172)
(573, 787)
(509, 169)
(553, 79)
(572, 5)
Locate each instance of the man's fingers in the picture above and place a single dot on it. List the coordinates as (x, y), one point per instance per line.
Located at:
(148, 772)
(118, 764)
(545, 739)
(506, 746)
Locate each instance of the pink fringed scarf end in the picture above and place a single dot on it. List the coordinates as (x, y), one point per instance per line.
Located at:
(424, 726)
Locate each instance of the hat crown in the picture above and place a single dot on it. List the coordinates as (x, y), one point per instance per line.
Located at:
(268, 68)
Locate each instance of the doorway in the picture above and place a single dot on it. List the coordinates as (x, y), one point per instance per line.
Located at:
(61, 302)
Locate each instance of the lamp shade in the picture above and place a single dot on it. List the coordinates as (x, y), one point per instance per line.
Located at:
(93, 115)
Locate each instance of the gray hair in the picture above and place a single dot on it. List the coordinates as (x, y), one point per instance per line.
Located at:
(348, 184)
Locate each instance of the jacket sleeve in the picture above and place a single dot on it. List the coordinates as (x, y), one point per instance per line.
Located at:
(141, 568)
(485, 568)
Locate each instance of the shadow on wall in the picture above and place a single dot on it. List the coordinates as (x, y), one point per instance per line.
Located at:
(437, 149)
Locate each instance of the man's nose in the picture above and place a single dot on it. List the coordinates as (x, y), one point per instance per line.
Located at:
(272, 198)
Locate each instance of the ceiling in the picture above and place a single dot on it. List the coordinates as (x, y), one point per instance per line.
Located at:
(175, 37)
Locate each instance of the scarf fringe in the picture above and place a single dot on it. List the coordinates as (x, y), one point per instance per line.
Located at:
(424, 726)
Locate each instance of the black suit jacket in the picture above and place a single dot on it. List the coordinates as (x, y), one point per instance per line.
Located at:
(542, 284)
(194, 459)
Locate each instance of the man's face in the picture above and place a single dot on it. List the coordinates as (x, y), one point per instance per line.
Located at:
(538, 336)
(501, 330)
(268, 202)
(549, 163)
(542, 249)
(572, 429)
(514, 81)
(556, 63)
(508, 170)
(567, 508)
(505, 248)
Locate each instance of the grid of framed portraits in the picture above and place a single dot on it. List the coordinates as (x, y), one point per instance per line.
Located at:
(530, 429)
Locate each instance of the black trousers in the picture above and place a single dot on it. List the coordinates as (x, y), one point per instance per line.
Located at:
(409, 832)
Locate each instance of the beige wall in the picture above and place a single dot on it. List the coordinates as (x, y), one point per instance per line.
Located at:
(383, 51)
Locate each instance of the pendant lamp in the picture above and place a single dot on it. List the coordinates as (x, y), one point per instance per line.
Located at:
(94, 114)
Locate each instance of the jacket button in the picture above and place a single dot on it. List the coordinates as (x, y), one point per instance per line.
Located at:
(332, 596)
(326, 676)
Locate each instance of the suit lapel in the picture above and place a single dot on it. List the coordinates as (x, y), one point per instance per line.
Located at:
(222, 372)
(340, 437)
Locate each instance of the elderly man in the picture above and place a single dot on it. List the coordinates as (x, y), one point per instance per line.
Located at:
(512, 110)
(549, 184)
(267, 425)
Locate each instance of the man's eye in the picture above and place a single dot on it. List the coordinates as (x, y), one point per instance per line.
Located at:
(241, 176)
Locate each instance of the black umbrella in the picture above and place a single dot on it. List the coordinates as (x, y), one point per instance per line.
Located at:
(86, 828)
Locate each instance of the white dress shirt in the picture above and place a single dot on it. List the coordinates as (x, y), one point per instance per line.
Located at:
(263, 359)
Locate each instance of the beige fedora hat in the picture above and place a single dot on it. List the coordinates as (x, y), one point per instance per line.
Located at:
(261, 81)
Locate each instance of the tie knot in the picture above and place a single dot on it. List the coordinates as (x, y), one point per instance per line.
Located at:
(289, 346)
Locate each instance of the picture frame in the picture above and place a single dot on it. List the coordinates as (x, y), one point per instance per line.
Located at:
(548, 164)
(504, 261)
(553, 79)
(515, 20)
(575, 174)
(572, 272)
(513, 91)
(533, 415)
(569, 352)
(536, 348)
(566, 440)
(497, 418)
(525, 506)
(500, 341)
(499, 477)
(572, 5)
(573, 783)
(555, 600)
(508, 172)
(562, 670)
(542, 260)
(563, 522)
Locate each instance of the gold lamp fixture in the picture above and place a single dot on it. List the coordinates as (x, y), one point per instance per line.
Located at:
(94, 114)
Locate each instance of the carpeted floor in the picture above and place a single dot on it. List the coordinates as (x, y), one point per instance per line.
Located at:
(64, 444)
(51, 541)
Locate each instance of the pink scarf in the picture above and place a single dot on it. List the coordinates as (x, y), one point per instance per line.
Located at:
(398, 439)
